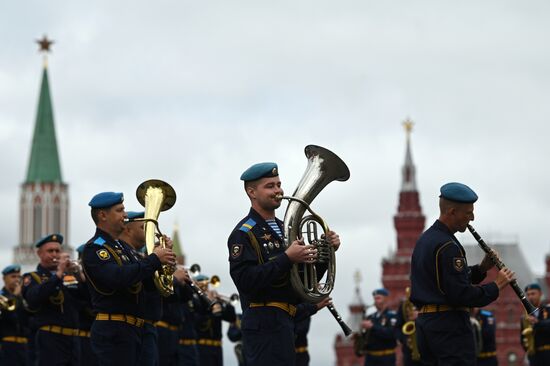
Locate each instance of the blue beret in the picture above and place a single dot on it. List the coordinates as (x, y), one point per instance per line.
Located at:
(458, 192)
(260, 170)
(201, 277)
(106, 200)
(532, 286)
(56, 238)
(80, 249)
(135, 215)
(11, 269)
(380, 291)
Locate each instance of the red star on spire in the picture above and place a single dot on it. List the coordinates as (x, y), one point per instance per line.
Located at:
(44, 44)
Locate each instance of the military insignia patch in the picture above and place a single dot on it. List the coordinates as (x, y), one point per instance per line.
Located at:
(236, 250)
(26, 280)
(266, 237)
(458, 263)
(103, 254)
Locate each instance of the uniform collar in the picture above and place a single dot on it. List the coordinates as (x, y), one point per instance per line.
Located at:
(105, 235)
(254, 215)
(441, 226)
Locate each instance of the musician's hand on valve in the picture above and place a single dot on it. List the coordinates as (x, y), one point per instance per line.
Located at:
(366, 324)
(165, 255)
(168, 242)
(333, 239)
(297, 252)
(504, 277)
(62, 264)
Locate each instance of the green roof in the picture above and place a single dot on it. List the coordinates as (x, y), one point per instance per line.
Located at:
(44, 163)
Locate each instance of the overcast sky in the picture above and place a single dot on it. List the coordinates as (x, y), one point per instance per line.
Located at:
(193, 92)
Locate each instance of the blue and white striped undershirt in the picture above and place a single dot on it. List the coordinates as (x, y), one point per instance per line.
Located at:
(273, 224)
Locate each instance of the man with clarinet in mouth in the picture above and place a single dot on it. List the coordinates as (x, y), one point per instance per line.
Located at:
(444, 287)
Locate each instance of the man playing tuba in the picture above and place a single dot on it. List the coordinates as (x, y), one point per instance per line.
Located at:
(115, 275)
(260, 265)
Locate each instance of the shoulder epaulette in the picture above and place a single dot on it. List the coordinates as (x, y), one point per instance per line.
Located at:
(486, 312)
(249, 224)
(99, 241)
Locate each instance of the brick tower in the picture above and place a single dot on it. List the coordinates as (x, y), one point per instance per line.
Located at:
(409, 223)
(44, 200)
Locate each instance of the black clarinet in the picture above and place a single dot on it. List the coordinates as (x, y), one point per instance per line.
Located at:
(206, 300)
(531, 310)
(343, 325)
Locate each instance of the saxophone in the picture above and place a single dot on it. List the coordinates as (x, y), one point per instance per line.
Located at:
(409, 328)
(527, 335)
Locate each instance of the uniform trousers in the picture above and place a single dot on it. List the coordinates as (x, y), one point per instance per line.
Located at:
(87, 355)
(116, 343)
(56, 349)
(16, 354)
(188, 355)
(149, 347)
(302, 358)
(168, 346)
(541, 358)
(446, 339)
(268, 337)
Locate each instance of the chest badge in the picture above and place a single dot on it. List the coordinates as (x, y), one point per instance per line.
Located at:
(266, 237)
(103, 254)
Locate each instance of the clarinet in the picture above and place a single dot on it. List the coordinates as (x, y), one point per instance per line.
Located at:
(338, 317)
(204, 298)
(531, 310)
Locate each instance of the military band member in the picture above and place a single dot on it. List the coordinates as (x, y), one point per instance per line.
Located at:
(406, 314)
(443, 286)
(115, 274)
(260, 265)
(14, 327)
(487, 355)
(187, 349)
(86, 317)
(134, 235)
(52, 293)
(235, 335)
(208, 325)
(380, 332)
(300, 342)
(172, 317)
(536, 340)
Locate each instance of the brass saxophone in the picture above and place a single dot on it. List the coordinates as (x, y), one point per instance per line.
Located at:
(409, 328)
(527, 335)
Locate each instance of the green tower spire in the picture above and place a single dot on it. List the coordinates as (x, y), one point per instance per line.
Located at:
(176, 245)
(44, 163)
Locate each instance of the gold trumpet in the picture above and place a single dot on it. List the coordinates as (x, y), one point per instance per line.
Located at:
(6, 304)
(156, 196)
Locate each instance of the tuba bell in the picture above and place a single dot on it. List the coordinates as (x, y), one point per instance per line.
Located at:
(156, 196)
(323, 167)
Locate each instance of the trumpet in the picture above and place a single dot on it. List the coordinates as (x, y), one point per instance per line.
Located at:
(7, 304)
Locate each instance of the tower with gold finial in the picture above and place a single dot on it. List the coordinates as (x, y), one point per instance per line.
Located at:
(44, 200)
(409, 223)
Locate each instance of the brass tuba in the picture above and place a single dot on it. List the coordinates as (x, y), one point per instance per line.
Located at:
(7, 304)
(323, 167)
(409, 328)
(156, 196)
